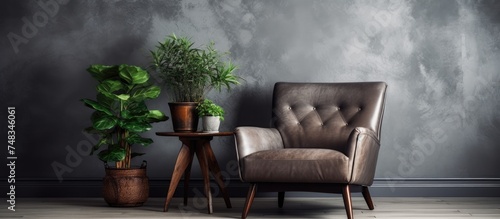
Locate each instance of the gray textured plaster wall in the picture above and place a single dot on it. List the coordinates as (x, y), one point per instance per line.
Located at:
(441, 60)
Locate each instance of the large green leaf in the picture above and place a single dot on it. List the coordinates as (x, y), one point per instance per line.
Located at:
(134, 114)
(106, 101)
(114, 154)
(97, 106)
(126, 114)
(136, 125)
(107, 87)
(123, 96)
(138, 108)
(156, 116)
(103, 72)
(146, 93)
(104, 122)
(106, 139)
(137, 139)
(95, 116)
(133, 74)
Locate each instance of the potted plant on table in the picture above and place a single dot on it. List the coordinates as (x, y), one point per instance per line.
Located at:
(190, 73)
(211, 115)
(120, 116)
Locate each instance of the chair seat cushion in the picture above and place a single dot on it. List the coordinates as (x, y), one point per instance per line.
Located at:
(306, 165)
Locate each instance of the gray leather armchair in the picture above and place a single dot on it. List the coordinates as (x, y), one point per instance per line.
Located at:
(326, 138)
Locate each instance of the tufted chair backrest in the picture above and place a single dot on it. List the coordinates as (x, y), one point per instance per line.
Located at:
(323, 115)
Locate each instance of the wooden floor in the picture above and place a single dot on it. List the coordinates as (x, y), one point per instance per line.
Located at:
(385, 207)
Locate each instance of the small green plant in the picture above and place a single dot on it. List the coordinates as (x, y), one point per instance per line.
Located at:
(120, 111)
(209, 108)
(189, 72)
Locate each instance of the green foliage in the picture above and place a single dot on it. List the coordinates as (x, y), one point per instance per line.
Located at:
(120, 110)
(209, 108)
(190, 73)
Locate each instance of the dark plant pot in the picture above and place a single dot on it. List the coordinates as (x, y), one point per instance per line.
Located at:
(184, 116)
(126, 187)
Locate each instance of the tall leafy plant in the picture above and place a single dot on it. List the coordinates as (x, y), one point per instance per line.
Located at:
(120, 111)
(189, 72)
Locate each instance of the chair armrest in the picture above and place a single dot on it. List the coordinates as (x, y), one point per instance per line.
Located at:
(363, 148)
(253, 139)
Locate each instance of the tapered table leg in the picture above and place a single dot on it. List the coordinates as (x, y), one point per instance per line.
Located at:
(202, 159)
(187, 173)
(183, 160)
(215, 169)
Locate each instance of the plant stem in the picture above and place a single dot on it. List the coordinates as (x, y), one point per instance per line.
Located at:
(122, 135)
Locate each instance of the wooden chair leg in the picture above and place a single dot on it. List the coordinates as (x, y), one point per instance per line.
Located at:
(346, 194)
(248, 203)
(281, 199)
(368, 198)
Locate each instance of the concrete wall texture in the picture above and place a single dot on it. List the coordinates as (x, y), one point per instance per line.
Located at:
(441, 60)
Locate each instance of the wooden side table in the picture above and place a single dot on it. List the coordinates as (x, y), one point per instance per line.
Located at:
(196, 143)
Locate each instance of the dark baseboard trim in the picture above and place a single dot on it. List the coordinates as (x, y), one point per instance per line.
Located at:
(421, 187)
(437, 187)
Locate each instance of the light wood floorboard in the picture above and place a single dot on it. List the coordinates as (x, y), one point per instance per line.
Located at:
(385, 207)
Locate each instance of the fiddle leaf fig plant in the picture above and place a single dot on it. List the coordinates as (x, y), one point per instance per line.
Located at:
(120, 112)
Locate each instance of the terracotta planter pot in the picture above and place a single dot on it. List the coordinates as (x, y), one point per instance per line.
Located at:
(126, 187)
(184, 116)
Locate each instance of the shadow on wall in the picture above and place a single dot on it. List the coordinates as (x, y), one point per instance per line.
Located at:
(490, 10)
(120, 50)
(254, 107)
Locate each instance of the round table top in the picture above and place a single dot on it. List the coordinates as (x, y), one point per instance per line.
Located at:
(194, 134)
